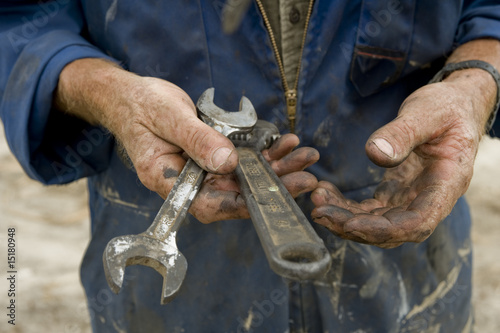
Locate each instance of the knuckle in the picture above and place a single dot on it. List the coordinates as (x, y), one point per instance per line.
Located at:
(276, 166)
(198, 140)
(405, 133)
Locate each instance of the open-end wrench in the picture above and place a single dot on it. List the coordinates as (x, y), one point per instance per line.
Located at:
(292, 247)
(157, 247)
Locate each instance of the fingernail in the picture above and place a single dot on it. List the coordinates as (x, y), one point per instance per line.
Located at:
(220, 156)
(385, 147)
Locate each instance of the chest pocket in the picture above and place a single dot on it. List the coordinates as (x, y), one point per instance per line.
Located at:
(382, 44)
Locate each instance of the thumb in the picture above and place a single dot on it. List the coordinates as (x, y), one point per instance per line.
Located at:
(208, 148)
(390, 145)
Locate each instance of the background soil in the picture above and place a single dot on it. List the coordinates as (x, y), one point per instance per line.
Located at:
(52, 231)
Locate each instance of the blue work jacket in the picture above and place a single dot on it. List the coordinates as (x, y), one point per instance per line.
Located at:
(360, 61)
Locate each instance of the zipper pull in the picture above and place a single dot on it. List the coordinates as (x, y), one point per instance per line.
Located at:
(291, 107)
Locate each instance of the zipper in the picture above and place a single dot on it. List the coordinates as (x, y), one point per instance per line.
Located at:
(290, 93)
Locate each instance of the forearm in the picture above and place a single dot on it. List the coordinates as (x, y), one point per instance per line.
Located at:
(93, 89)
(478, 82)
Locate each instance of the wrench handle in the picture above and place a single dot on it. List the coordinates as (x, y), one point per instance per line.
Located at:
(292, 247)
(174, 210)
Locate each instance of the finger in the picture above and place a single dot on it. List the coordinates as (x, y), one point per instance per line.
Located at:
(371, 205)
(282, 147)
(215, 182)
(380, 210)
(391, 144)
(375, 229)
(432, 196)
(321, 196)
(330, 214)
(219, 199)
(362, 227)
(383, 227)
(208, 148)
(389, 230)
(210, 206)
(160, 173)
(297, 160)
(299, 182)
(332, 217)
(414, 224)
(327, 194)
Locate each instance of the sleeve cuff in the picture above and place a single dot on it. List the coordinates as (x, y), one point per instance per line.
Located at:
(52, 147)
(479, 22)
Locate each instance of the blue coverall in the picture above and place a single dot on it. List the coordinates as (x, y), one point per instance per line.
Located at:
(361, 59)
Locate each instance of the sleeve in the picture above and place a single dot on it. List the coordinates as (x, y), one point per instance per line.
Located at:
(37, 39)
(480, 19)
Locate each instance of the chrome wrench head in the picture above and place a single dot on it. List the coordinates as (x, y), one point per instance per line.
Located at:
(263, 135)
(156, 247)
(224, 121)
(139, 249)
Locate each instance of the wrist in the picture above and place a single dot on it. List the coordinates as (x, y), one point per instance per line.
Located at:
(92, 89)
(480, 82)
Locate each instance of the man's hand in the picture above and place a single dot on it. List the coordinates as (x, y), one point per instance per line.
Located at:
(429, 149)
(157, 124)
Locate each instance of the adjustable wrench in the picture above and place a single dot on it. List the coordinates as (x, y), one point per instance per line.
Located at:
(156, 247)
(292, 247)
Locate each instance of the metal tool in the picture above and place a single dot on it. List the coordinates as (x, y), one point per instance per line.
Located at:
(157, 247)
(292, 247)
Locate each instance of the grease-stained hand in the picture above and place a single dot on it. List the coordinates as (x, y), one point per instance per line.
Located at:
(429, 150)
(156, 124)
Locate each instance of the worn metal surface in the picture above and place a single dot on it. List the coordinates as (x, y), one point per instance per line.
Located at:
(292, 247)
(223, 121)
(157, 247)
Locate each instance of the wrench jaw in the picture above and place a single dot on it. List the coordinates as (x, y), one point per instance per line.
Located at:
(241, 121)
(263, 135)
(167, 260)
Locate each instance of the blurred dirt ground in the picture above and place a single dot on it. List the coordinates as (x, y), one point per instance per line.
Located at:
(52, 231)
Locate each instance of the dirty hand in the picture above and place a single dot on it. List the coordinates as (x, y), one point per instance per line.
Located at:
(156, 123)
(430, 150)
(220, 197)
